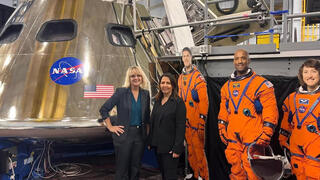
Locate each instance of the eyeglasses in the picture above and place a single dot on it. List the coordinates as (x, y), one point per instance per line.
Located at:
(135, 75)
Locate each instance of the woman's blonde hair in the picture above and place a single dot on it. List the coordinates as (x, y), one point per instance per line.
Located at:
(136, 70)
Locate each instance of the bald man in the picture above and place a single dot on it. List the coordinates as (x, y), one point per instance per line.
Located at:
(248, 114)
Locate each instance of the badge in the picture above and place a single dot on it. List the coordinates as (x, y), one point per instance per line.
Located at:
(268, 84)
(235, 93)
(202, 78)
(236, 85)
(66, 71)
(191, 103)
(302, 109)
(303, 101)
(246, 112)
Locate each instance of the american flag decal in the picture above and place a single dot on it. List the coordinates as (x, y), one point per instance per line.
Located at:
(98, 91)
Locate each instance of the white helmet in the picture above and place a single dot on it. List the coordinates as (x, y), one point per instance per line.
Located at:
(265, 164)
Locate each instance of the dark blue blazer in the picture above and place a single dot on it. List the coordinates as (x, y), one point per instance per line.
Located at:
(122, 99)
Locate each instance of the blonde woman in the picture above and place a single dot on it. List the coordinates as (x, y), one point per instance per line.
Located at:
(129, 129)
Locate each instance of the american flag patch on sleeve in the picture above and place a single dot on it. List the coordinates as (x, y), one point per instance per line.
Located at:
(268, 84)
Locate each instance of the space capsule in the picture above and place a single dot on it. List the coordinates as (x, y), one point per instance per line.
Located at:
(57, 68)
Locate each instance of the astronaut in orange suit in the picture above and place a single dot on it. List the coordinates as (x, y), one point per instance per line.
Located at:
(300, 125)
(193, 90)
(248, 113)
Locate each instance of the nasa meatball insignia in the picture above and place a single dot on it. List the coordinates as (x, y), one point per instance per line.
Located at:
(66, 71)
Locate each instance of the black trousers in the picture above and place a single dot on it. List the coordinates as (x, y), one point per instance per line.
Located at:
(168, 166)
(129, 155)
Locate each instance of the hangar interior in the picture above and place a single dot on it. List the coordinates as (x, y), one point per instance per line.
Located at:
(43, 123)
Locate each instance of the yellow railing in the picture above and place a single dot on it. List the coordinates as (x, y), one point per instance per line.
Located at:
(312, 32)
(306, 35)
(303, 20)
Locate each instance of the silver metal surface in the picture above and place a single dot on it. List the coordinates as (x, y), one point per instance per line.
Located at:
(272, 17)
(290, 31)
(261, 49)
(272, 64)
(312, 45)
(217, 1)
(285, 24)
(29, 99)
(207, 21)
(205, 26)
(310, 14)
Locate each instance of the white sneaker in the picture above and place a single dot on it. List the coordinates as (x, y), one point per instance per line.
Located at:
(199, 178)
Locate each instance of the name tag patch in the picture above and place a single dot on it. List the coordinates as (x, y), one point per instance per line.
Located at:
(303, 101)
(236, 85)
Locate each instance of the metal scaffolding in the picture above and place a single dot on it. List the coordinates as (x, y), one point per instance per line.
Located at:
(286, 19)
(267, 14)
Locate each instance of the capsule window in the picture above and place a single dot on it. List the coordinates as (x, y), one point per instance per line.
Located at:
(227, 6)
(120, 35)
(57, 30)
(10, 33)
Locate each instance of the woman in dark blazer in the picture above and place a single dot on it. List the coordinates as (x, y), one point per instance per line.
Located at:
(129, 128)
(168, 120)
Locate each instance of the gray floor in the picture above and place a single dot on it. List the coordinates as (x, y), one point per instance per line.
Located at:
(102, 168)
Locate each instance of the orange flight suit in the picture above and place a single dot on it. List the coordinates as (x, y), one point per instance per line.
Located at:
(197, 110)
(301, 114)
(241, 123)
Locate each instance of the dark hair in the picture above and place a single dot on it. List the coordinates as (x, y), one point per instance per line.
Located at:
(173, 82)
(313, 63)
(187, 49)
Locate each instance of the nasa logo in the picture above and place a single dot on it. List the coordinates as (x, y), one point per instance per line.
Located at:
(66, 71)
(235, 93)
(302, 109)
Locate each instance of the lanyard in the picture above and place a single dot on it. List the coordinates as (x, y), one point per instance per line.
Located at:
(242, 94)
(309, 112)
(182, 91)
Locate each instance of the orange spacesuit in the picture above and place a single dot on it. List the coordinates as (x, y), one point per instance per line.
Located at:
(248, 113)
(299, 132)
(193, 90)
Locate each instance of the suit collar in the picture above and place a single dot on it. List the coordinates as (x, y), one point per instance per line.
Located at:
(304, 90)
(234, 76)
(128, 94)
(193, 68)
